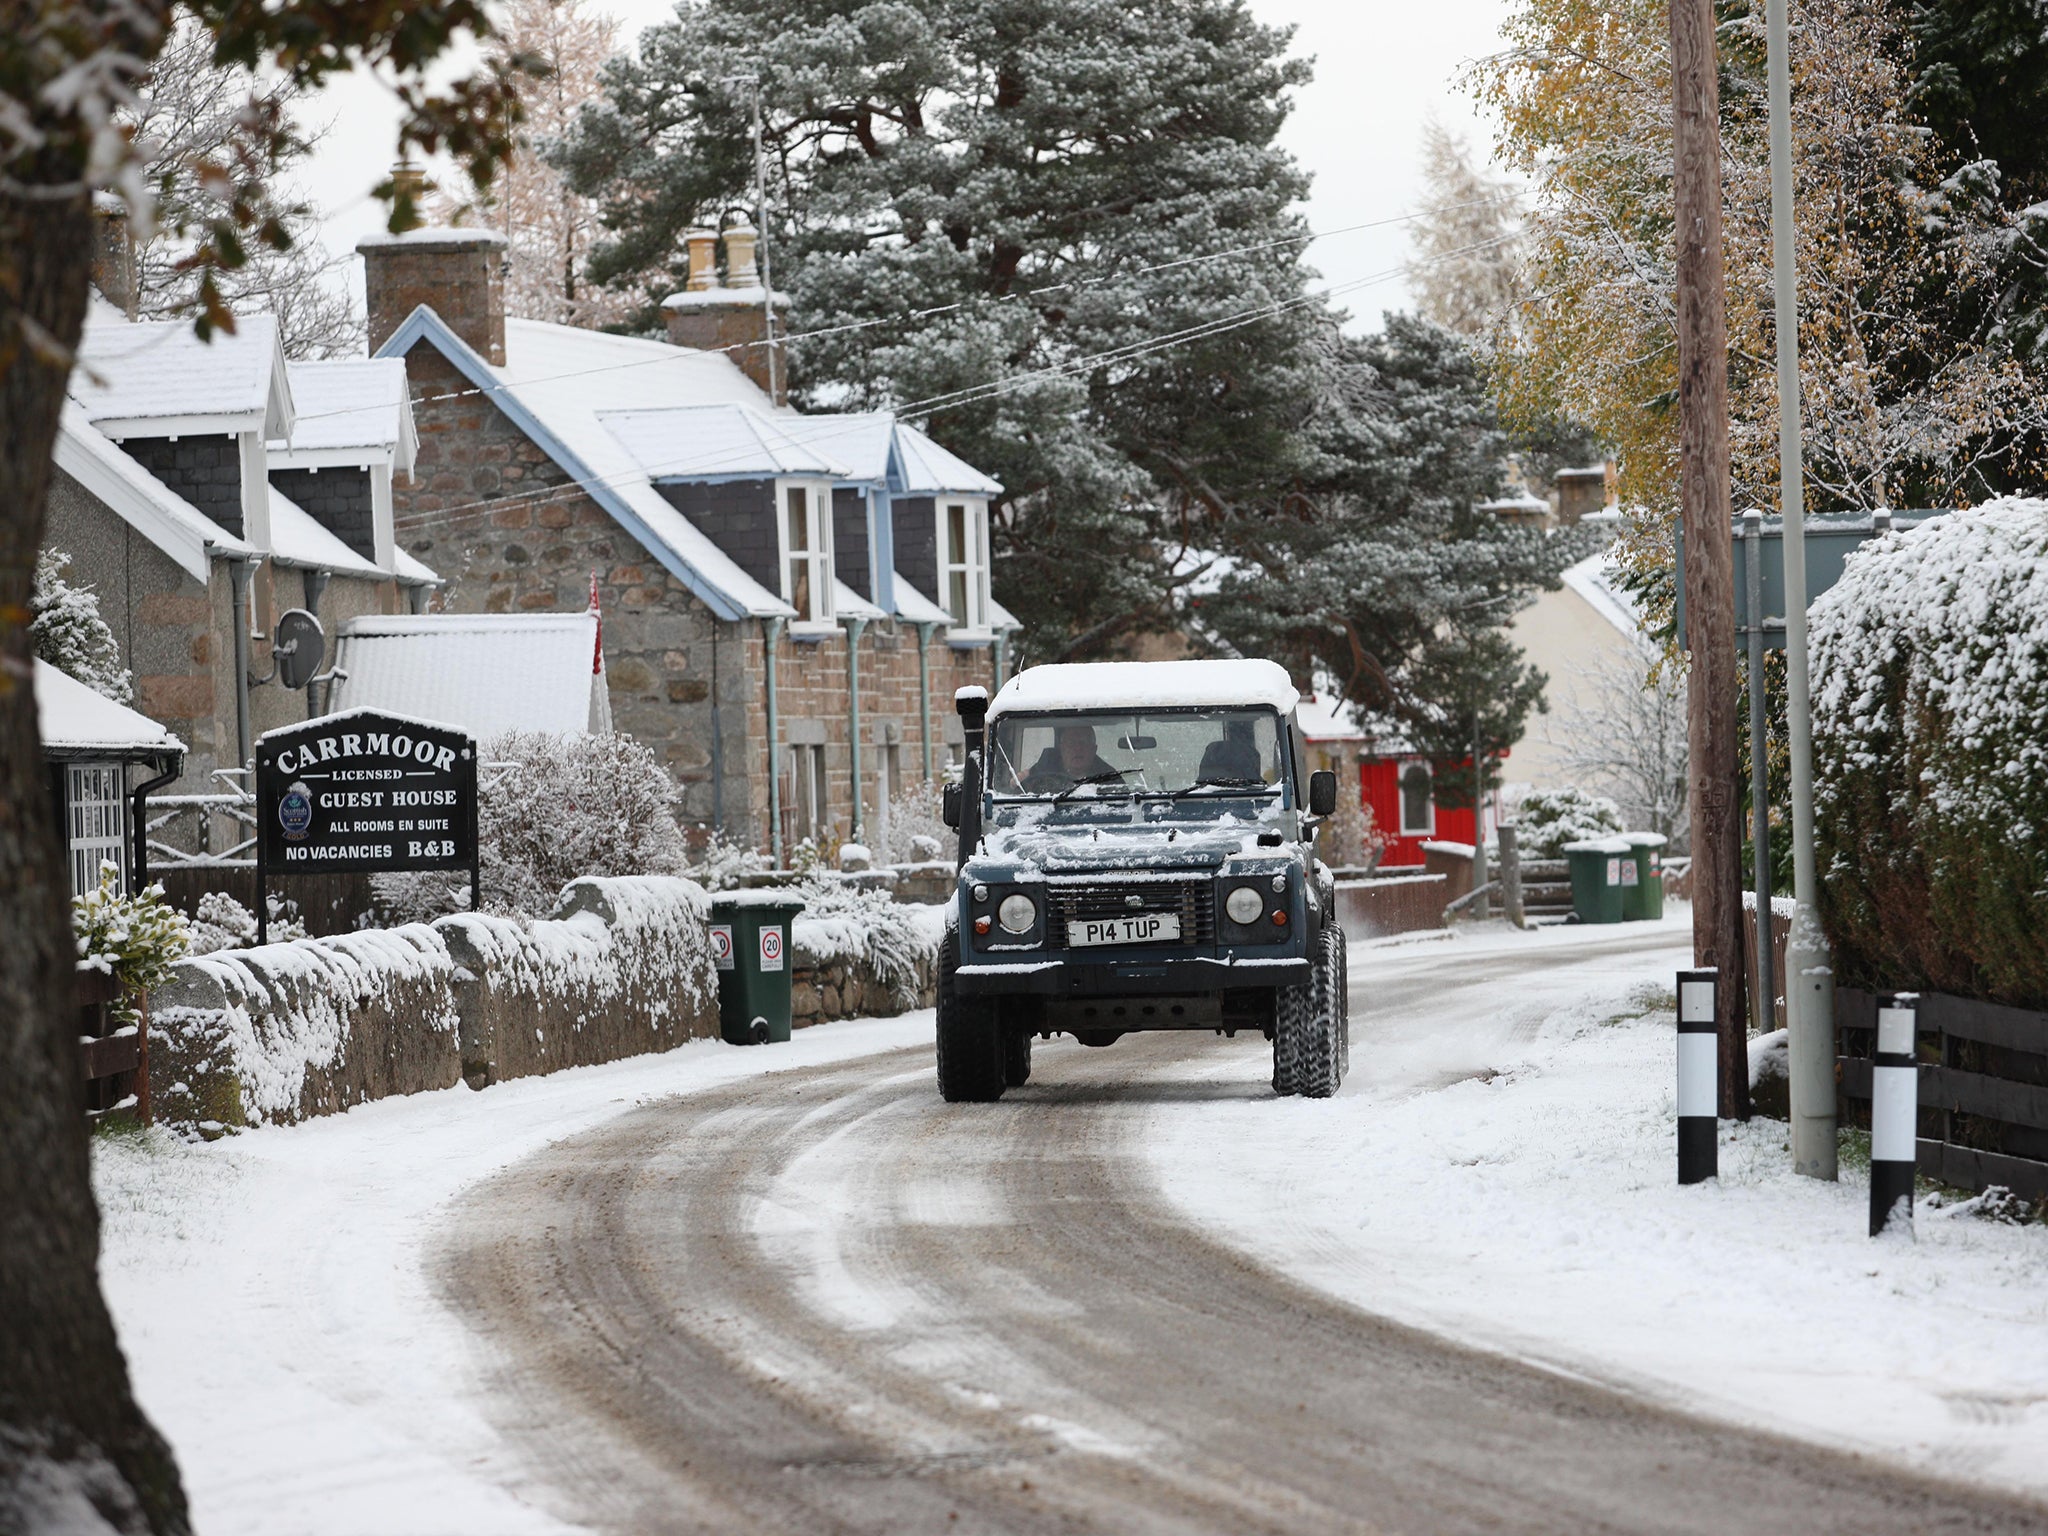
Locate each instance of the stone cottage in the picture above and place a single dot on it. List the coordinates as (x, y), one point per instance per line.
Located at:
(789, 601)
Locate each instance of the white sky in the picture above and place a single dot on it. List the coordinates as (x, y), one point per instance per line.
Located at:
(1381, 69)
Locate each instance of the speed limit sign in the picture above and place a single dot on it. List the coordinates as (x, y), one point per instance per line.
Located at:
(721, 945)
(771, 949)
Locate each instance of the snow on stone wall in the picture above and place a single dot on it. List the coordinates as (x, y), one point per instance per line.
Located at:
(280, 1033)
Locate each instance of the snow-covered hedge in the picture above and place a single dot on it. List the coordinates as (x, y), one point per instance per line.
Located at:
(285, 1031)
(1930, 666)
(889, 946)
(1547, 819)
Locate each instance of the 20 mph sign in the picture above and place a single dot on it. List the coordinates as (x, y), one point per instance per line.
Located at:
(721, 945)
(771, 949)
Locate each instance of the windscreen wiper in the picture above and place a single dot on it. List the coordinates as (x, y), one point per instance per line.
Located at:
(1233, 786)
(1115, 775)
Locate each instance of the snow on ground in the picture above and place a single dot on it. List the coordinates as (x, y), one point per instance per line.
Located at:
(1501, 1167)
(271, 1295)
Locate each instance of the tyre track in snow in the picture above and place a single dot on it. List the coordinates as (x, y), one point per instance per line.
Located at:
(827, 1301)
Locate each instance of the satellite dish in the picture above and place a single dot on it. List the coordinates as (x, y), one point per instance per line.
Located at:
(298, 648)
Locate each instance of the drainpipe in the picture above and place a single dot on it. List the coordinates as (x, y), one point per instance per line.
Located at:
(853, 631)
(717, 739)
(238, 582)
(771, 633)
(924, 693)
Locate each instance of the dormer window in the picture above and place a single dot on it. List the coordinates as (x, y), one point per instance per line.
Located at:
(806, 537)
(963, 562)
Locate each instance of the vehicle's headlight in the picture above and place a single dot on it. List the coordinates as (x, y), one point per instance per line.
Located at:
(1017, 914)
(1244, 905)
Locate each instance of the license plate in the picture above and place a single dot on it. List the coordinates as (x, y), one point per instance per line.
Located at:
(1143, 928)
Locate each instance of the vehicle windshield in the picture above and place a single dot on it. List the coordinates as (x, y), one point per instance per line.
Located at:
(1118, 753)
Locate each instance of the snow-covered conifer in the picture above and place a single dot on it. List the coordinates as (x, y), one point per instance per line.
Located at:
(1466, 271)
(70, 634)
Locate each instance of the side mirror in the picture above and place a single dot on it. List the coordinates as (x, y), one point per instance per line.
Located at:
(1322, 793)
(949, 806)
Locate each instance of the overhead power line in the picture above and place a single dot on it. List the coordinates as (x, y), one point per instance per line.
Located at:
(991, 389)
(680, 355)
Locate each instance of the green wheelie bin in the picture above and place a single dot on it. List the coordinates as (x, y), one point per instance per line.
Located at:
(750, 933)
(1642, 877)
(1596, 878)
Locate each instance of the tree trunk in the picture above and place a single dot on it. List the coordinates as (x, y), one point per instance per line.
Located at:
(72, 1440)
(1709, 550)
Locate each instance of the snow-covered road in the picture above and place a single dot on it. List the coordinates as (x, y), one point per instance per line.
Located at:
(790, 1289)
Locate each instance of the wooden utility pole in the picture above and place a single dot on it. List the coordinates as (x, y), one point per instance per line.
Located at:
(1704, 514)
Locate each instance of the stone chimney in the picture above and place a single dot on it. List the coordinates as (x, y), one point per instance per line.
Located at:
(458, 273)
(113, 253)
(730, 314)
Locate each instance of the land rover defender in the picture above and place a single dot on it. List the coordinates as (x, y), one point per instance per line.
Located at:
(1137, 852)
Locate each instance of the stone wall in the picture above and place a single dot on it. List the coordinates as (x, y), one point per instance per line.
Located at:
(279, 1034)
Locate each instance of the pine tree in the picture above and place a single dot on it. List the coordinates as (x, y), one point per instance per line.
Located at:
(1396, 584)
(70, 634)
(984, 191)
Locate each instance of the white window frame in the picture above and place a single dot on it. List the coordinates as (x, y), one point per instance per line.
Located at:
(971, 563)
(823, 618)
(95, 822)
(1401, 797)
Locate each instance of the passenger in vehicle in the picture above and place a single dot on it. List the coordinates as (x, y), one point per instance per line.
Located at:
(1233, 760)
(1070, 759)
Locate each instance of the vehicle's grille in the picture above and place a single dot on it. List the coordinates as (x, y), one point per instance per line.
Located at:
(1194, 900)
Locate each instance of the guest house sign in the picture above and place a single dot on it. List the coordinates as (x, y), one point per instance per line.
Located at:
(365, 791)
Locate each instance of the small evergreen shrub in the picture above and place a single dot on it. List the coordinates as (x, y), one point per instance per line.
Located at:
(135, 939)
(70, 634)
(1550, 818)
(1930, 739)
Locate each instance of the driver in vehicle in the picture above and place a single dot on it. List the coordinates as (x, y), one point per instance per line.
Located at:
(1071, 759)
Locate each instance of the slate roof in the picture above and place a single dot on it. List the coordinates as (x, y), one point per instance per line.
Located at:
(715, 442)
(354, 403)
(134, 372)
(482, 673)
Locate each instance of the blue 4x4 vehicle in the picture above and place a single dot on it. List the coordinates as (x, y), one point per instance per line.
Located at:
(1137, 852)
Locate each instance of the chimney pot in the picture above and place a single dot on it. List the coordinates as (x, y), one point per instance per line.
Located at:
(702, 246)
(741, 270)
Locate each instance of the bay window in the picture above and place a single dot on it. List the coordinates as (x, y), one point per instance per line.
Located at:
(805, 535)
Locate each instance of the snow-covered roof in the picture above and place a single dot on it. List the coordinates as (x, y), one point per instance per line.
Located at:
(414, 573)
(346, 406)
(849, 604)
(298, 539)
(483, 673)
(1324, 718)
(556, 384)
(77, 721)
(914, 606)
(456, 237)
(157, 378)
(1594, 580)
(1147, 685)
(859, 442)
(929, 470)
(714, 442)
(137, 497)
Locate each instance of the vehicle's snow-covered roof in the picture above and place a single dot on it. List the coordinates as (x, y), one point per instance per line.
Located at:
(483, 673)
(714, 442)
(75, 720)
(351, 403)
(131, 374)
(1147, 685)
(298, 539)
(138, 498)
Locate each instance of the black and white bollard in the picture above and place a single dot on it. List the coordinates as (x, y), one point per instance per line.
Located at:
(1894, 1112)
(1698, 1076)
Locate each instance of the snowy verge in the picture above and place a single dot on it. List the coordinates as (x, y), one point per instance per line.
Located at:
(1501, 1168)
(281, 1329)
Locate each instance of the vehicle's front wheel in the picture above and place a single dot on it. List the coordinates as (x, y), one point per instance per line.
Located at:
(971, 1064)
(1016, 1056)
(1310, 1039)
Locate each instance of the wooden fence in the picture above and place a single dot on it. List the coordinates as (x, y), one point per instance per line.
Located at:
(1983, 1088)
(116, 1052)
